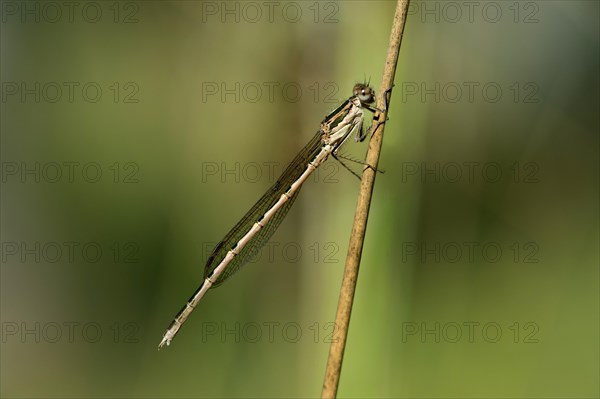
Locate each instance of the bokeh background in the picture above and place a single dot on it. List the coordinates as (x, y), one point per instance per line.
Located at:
(135, 134)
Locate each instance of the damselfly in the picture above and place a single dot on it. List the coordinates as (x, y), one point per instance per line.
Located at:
(260, 222)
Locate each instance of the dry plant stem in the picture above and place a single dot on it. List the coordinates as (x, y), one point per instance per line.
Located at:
(342, 320)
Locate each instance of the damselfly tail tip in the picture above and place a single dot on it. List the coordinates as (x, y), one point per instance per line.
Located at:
(165, 341)
(167, 338)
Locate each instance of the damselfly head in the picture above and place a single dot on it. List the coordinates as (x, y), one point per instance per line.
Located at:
(364, 93)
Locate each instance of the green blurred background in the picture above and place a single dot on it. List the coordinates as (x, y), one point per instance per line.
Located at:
(479, 276)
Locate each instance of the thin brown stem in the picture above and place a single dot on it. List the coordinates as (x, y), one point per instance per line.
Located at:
(346, 299)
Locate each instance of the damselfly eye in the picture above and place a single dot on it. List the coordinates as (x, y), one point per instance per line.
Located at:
(364, 93)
